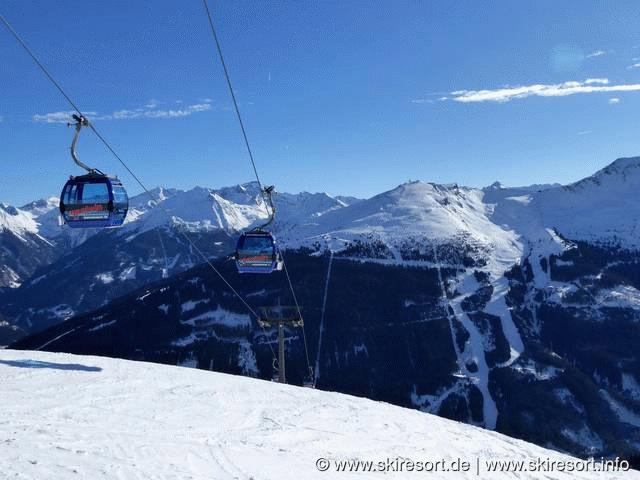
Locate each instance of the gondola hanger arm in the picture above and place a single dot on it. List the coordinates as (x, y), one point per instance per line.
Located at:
(80, 122)
(266, 194)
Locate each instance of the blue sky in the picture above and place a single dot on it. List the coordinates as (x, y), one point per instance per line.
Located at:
(342, 96)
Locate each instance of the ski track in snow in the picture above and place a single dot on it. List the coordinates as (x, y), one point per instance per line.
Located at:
(497, 306)
(324, 306)
(67, 416)
(474, 352)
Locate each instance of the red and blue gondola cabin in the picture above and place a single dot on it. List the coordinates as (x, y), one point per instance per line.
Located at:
(94, 201)
(256, 253)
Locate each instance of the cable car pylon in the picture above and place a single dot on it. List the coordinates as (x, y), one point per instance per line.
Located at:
(281, 316)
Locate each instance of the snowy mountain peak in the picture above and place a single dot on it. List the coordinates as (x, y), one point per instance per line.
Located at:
(9, 209)
(413, 217)
(16, 221)
(623, 167)
(622, 171)
(245, 193)
(421, 192)
(42, 206)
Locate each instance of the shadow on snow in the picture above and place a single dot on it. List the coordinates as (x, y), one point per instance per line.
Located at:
(56, 366)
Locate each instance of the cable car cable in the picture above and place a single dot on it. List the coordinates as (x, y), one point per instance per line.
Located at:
(235, 103)
(265, 192)
(33, 57)
(108, 146)
(295, 300)
(71, 102)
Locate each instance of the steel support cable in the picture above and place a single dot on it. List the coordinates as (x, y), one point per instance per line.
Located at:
(33, 57)
(191, 243)
(235, 103)
(168, 214)
(295, 300)
(71, 102)
(115, 154)
(253, 163)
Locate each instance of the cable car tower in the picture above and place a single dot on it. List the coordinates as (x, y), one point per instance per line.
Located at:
(280, 315)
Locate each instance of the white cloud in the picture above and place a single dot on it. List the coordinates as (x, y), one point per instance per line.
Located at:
(150, 111)
(601, 81)
(200, 107)
(635, 65)
(152, 104)
(155, 113)
(597, 53)
(592, 85)
(614, 100)
(60, 117)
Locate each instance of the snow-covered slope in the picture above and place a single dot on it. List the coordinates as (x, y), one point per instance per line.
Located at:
(70, 416)
(415, 215)
(601, 208)
(230, 209)
(22, 247)
(17, 221)
(45, 214)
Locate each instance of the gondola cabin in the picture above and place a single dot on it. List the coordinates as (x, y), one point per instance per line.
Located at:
(94, 200)
(256, 253)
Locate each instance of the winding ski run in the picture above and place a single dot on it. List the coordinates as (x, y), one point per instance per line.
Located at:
(474, 349)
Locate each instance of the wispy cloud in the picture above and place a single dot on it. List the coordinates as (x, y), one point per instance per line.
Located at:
(149, 111)
(425, 100)
(156, 113)
(597, 53)
(614, 100)
(596, 81)
(60, 117)
(432, 97)
(506, 94)
(635, 65)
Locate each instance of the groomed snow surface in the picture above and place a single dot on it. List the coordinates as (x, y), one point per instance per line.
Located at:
(67, 416)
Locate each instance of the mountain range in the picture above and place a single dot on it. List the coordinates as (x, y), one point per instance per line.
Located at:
(515, 309)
